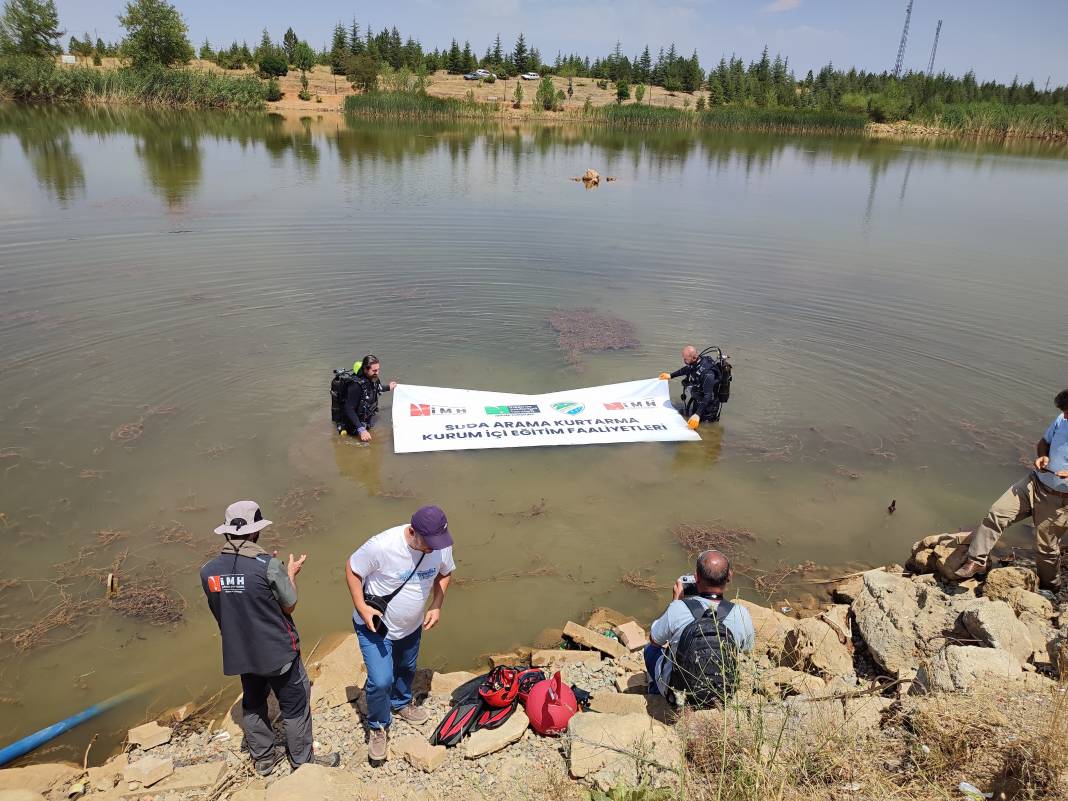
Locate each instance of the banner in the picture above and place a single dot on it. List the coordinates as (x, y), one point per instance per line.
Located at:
(440, 419)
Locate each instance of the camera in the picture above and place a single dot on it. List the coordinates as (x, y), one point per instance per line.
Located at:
(689, 584)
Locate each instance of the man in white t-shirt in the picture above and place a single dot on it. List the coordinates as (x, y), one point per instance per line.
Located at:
(414, 562)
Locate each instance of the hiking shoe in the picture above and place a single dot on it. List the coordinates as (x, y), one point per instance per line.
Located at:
(331, 760)
(413, 714)
(266, 766)
(970, 569)
(377, 747)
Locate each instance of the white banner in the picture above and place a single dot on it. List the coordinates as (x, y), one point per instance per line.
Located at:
(440, 419)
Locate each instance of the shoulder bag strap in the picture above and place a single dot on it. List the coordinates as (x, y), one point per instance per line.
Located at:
(697, 609)
(393, 594)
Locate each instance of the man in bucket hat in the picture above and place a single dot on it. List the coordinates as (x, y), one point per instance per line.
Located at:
(391, 577)
(252, 595)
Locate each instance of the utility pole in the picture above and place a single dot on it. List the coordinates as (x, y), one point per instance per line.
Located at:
(934, 49)
(904, 39)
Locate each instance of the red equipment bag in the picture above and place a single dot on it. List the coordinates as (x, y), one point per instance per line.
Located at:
(550, 705)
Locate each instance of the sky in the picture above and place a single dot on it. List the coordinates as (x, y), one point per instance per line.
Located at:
(996, 39)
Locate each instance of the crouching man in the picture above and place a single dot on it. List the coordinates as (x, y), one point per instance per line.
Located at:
(252, 596)
(692, 654)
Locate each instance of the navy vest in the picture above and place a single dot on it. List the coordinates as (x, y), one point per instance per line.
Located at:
(257, 636)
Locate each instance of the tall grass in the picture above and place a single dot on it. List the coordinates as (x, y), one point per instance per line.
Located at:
(415, 106)
(740, 119)
(996, 119)
(42, 81)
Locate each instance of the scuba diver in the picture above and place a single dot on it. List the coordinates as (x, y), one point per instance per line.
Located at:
(354, 397)
(708, 382)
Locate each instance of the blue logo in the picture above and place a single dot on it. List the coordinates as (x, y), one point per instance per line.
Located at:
(569, 407)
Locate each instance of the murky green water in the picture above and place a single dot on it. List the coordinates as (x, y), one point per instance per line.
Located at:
(894, 313)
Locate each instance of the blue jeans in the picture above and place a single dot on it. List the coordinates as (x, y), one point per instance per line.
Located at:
(652, 655)
(390, 670)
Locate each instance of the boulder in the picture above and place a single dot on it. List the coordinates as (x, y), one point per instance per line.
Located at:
(815, 647)
(591, 639)
(313, 781)
(635, 682)
(993, 623)
(149, 735)
(771, 628)
(1044, 639)
(20, 795)
(1025, 602)
(255, 790)
(958, 668)
(848, 589)
(486, 741)
(864, 716)
(610, 703)
(591, 176)
(517, 658)
(106, 776)
(445, 684)
(600, 748)
(38, 778)
(1001, 580)
(930, 552)
(556, 657)
(149, 770)
(340, 675)
(781, 682)
(418, 752)
(191, 781)
(605, 618)
(633, 636)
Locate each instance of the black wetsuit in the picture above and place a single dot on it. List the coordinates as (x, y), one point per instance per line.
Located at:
(699, 383)
(361, 403)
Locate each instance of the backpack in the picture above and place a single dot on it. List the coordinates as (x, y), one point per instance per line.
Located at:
(339, 390)
(704, 663)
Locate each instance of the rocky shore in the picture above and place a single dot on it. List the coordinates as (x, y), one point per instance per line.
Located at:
(901, 685)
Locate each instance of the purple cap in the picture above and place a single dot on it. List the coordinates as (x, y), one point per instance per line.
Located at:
(431, 524)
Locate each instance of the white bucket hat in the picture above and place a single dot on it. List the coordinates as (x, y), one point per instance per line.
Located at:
(242, 519)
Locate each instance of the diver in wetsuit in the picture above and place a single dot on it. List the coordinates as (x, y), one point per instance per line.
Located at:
(360, 407)
(703, 381)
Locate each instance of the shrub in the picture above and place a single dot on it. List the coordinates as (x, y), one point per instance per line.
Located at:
(622, 90)
(273, 65)
(587, 107)
(517, 97)
(469, 97)
(546, 94)
(854, 102)
(362, 72)
(304, 95)
(602, 84)
(887, 107)
(686, 102)
(672, 84)
(96, 59)
(274, 91)
(700, 103)
(639, 93)
(491, 78)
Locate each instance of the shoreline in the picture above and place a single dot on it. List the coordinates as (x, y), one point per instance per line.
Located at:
(872, 688)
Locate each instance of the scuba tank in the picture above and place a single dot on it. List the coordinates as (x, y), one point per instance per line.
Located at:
(339, 389)
(724, 371)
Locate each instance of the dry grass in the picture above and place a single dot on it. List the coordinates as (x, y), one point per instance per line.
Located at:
(150, 601)
(635, 579)
(698, 537)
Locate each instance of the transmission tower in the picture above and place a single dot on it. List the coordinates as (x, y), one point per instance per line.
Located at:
(934, 49)
(904, 39)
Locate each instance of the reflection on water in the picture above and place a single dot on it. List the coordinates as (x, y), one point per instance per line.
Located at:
(174, 289)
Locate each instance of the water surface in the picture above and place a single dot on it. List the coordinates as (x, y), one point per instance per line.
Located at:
(892, 311)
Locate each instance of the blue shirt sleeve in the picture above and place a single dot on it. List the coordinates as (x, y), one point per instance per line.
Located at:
(740, 624)
(675, 618)
(1052, 430)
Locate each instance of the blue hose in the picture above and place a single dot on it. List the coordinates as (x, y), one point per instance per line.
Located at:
(37, 739)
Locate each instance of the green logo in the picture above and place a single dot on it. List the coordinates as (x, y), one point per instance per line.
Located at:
(569, 407)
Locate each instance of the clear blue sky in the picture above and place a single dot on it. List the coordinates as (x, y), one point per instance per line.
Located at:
(997, 39)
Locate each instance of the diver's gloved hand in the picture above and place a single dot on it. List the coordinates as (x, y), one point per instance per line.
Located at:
(693, 422)
(665, 376)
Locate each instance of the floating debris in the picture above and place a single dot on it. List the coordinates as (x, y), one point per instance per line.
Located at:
(635, 579)
(88, 473)
(67, 614)
(696, 538)
(537, 571)
(216, 451)
(535, 510)
(128, 432)
(298, 497)
(107, 536)
(584, 330)
(149, 601)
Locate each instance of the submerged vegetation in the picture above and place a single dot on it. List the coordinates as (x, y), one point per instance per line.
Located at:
(754, 119)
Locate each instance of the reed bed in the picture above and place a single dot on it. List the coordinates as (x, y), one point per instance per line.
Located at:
(42, 81)
(998, 120)
(740, 119)
(414, 106)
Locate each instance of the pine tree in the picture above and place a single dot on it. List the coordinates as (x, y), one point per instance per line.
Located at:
(498, 53)
(289, 44)
(339, 50)
(468, 60)
(520, 55)
(30, 28)
(354, 41)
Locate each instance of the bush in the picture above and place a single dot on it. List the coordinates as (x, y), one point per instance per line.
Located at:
(491, 78)
(304, 95)
(639, 93)
(362, 72)
(887, 107)
(587, 107)
(546, 94)
(672, 84)
(602, 84)
(701, 105)
(273, 65)
(854, 102)
(517, 97)
(622, 90)
(274, 91)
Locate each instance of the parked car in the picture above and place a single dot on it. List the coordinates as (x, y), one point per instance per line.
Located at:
(484, 73)
(530, 76)
(473, 76)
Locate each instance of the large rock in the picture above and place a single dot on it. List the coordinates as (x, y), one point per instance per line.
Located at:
(611, 703)
(902, 621)
(930, 553)
(993, 623)
(632, 636)
(781, 682)
(815, 647)
(604, 618)
(191, 781)
(771, 628)
(20, 795)
(341, 675)
(38, 778)
(1001, 580)
(445, 684)
(550, 658)
(958, 668)
(600, 748)
(1044, 639)
(316, 782)
(864, 715)
(418, 752)
(106, 776)
(149, 770)
(486, 741)
(149, 735)
(1025, 602)
(598, 642)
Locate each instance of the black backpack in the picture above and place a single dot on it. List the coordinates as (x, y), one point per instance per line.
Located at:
(339, 389)
(704, 664)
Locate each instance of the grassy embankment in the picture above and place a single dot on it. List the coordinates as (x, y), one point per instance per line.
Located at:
(42, 81)
(997, 120)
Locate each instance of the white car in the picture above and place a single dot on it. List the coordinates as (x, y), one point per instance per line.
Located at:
(484, 73)
(530, 76)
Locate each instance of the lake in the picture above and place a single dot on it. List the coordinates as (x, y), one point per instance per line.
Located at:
(176, 287)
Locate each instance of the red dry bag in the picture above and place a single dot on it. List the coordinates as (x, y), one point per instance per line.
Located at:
(550, 706)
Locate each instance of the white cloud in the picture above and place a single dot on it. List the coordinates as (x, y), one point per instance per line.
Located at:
(781, 5)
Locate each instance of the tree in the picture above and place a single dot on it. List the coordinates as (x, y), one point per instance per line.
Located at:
(518, 95)
(520, 55)
(303, 57)
(339, 50)
(206, 53)
(570, 89)
(362, 72)
(639, 93)
(546, 94)
(289, 44)
(355, 42)
(155, 34)
(273, 64)
(266, 45)
(622, 90)
(30, 27)
(498, 54)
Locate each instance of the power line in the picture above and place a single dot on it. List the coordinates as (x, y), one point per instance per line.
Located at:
(934, 49)
(904, 39)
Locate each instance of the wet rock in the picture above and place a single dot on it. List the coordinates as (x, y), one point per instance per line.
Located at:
(486, 741)
(418, 752)
(149, 770)
(591, 639)
(620, 703)
(632, 636)
(993, 623)
(149, 735)
(1001, 581)
(591, 176)
(815, 647)
(599, 749)
(38, 778)
(316, 782)
(781, 682)
(445, 684)
(771, 628)
(958, 668)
